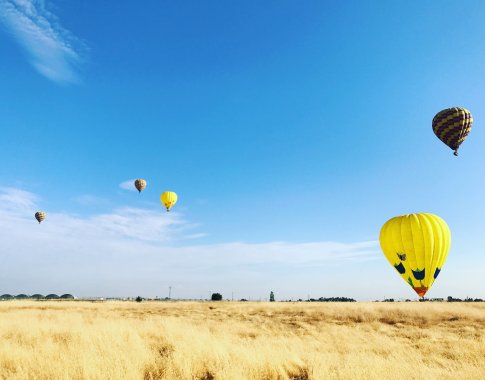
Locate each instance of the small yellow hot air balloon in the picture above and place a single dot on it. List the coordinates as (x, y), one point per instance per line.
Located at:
(40, 216)
(140, 184)
(452, 126)
(416, 245)
(168, 198)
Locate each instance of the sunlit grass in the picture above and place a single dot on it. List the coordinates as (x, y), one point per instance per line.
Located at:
(224, 340)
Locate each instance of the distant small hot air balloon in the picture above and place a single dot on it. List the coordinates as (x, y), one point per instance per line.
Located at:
(168, 198)
(140, 184)
(417, 246)
(452, 126)
(40, 216)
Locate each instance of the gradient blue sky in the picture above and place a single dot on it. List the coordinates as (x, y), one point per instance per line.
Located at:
(291, 132)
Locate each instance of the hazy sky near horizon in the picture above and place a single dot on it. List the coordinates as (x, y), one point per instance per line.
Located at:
(291, 132)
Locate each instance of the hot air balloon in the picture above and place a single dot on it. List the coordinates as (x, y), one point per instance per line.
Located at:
(452, 126)
(416, 245)
(40, 216)
(168, 198)
(140, 184)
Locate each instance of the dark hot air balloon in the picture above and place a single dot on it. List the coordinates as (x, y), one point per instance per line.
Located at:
(140, 184)
(452, 126)
(40, 216)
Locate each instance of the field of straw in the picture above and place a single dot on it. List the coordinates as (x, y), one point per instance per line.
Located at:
(241, 340)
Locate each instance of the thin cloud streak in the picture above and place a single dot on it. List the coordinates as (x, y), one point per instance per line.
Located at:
(90, 200)
(17, 200)
(132, 249)
(54, 51)
(142, 225)
(128, 185)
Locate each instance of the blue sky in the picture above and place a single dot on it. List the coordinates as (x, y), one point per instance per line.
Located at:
(290, 131)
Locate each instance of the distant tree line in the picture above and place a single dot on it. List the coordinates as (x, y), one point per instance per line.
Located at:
(448, 299)
(218, 297)
(332, 299)
(468, 299)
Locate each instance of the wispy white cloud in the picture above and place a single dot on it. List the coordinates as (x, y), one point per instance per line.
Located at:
(141, 251)
(131, 251)
(17, 200)
(54, 51)
(90, 200)
(128, 185)
(142, 225)
(196, 236)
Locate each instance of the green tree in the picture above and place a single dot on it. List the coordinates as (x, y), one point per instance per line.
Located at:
(216, 297)
(271, 297)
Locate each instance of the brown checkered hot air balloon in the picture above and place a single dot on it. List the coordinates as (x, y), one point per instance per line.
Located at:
(452, 125)
(40, 216)
(140, 184)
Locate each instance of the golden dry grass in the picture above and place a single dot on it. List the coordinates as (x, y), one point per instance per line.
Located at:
(191, 340)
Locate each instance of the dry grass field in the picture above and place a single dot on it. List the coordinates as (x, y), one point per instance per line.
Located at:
(231, 340)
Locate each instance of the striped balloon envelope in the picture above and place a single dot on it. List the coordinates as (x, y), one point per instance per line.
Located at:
(40, 216)
(452, 126)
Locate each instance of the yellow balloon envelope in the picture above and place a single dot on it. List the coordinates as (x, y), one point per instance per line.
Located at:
(416, 245)
(168, 198)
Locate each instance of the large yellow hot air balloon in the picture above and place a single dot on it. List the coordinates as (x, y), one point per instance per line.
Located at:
(452, 126)
(40, 216)
(168, 198)
(140, 184)
(417, 246)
